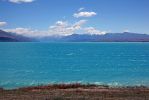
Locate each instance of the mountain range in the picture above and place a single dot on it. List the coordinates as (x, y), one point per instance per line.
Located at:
(109, 37)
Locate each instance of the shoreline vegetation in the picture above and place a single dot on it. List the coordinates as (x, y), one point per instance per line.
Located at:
(76, 91)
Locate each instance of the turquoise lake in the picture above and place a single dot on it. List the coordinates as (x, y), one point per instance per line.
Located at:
(115, 64)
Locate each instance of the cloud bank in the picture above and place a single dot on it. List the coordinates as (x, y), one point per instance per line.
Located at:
(61, 28)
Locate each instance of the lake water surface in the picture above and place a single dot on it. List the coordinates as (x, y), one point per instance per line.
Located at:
(116, 64)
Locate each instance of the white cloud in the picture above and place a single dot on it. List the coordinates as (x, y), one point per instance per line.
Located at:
(60, 28)
(63, 28)
(78, 24)
(21, 1)
(61, 23)
(80, 9)
(3, 24)
(84, 14)
(92, 30)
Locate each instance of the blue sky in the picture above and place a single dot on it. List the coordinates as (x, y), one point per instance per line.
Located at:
(71, 16)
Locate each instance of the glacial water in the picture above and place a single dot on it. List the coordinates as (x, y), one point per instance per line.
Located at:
(115, 64)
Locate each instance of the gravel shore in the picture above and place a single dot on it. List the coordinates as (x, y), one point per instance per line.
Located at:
(75, 92)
